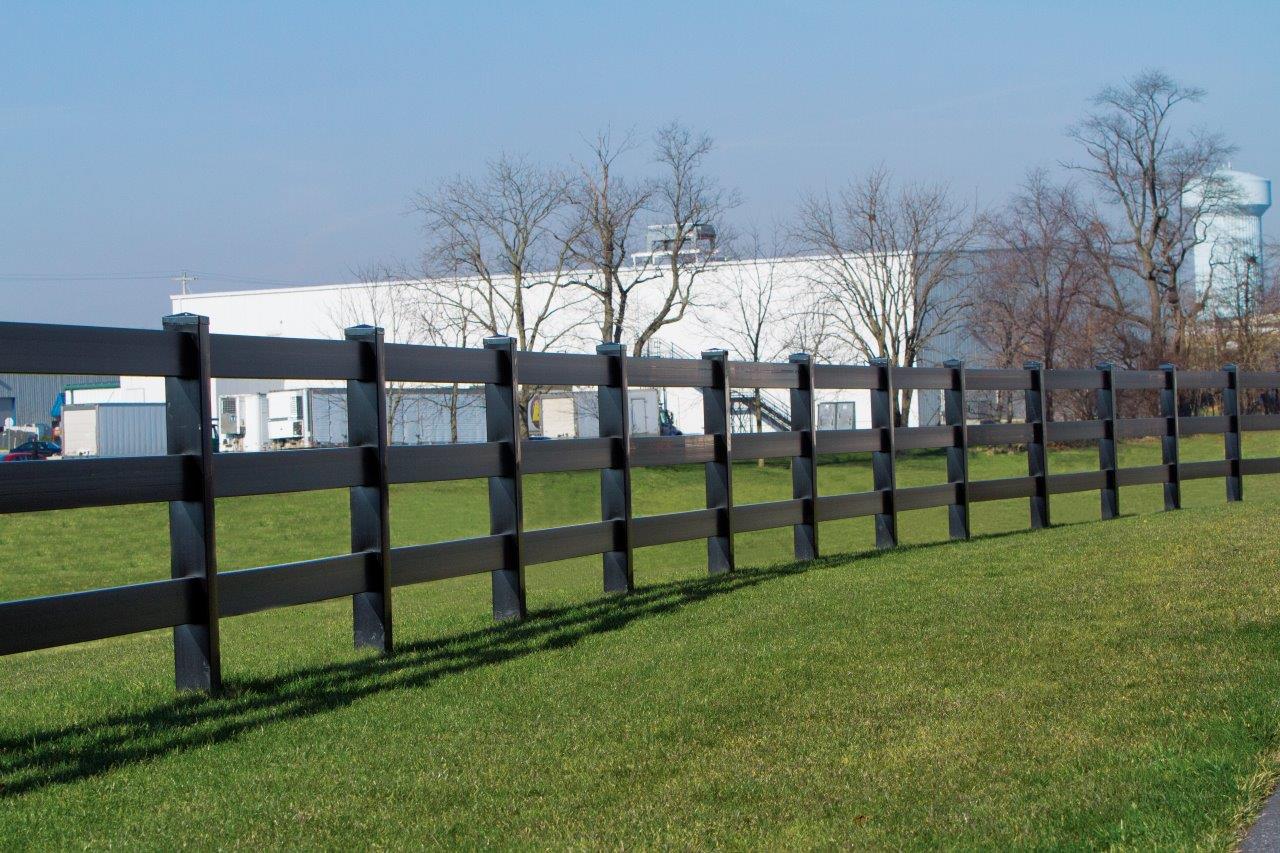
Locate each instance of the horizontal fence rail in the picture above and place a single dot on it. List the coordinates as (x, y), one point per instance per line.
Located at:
(190, 478)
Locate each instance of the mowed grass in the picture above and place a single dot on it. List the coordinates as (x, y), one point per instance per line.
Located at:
(1093, 685)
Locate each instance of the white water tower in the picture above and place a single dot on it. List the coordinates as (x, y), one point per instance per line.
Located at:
(1230, 255)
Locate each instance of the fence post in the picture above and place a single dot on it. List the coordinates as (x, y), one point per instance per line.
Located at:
(506, 500)
(1169, 451)
(804, 468)
(1231, 408)
(717, 421)
(1107, 460)
(883, 462)
(1037, 456)
(370, 505)
(955, 411)
(193, 553)
(615, 481)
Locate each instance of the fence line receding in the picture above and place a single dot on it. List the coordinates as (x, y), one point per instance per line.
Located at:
(191, 477)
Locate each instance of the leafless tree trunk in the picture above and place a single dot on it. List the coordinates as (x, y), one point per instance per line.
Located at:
(886, 263)
(1034, 288)
(495, 256)
(381, 298)
(607, 209)
(754, 322)
(684, 198)
(1161, 185)
(1242, 327)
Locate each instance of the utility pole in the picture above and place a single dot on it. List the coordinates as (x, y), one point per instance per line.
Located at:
(184, 280)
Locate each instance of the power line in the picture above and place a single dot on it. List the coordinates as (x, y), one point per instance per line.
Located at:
(245, 279)
(141, 276)
(152, 275)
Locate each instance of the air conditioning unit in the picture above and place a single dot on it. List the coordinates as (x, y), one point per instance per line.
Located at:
(231, 421)
(285, 415)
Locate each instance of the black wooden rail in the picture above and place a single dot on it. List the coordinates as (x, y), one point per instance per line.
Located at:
(191, 477)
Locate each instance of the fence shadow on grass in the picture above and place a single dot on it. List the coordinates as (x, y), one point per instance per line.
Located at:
(190, 721)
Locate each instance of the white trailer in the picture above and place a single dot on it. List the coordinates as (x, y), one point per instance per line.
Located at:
(242, 422)
(114, 429)
(288, 417)
(125, 389)
(576, 414)
(559, 415)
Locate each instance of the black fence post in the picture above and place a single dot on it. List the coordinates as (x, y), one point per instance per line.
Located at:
(804, 468)
(193, 552)
(1037, 455)
(506, 499)
(1169, 451)
(717, 420)
(615, 481)
(1107, 459)
(955, 413)
(883, 461)
(1231, 408)
(370, 504)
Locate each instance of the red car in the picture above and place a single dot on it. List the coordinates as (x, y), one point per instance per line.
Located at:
(32, 451)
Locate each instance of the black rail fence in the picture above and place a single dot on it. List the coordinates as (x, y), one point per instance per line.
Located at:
(191, 476)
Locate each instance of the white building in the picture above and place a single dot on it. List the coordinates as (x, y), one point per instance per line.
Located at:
(323, 311)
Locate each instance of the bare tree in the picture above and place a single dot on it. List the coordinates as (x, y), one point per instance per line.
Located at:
(1161, 185)
(383, 298)
(608, 209)
(754, 313)
(808, 328)
(446, 318)
(1035, 249)
(685, 198)
(497, 254)
(886, 263)
(1034, 288)
(1242, 325)
(996, 321)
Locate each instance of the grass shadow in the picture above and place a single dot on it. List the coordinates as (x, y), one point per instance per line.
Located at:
(189, 721)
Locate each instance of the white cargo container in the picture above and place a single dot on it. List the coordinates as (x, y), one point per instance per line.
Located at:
(114, 429)
(576, 414)
(559, 416)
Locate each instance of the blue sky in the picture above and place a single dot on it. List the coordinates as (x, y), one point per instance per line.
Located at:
(281, 142)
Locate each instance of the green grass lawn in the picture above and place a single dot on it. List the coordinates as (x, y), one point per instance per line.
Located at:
(1093, 685)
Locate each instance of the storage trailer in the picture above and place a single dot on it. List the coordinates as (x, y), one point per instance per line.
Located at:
(114, 429)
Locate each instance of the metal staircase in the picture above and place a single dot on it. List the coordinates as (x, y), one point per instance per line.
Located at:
(775, 412)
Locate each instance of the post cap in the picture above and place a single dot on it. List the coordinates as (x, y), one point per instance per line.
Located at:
(185, 319)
